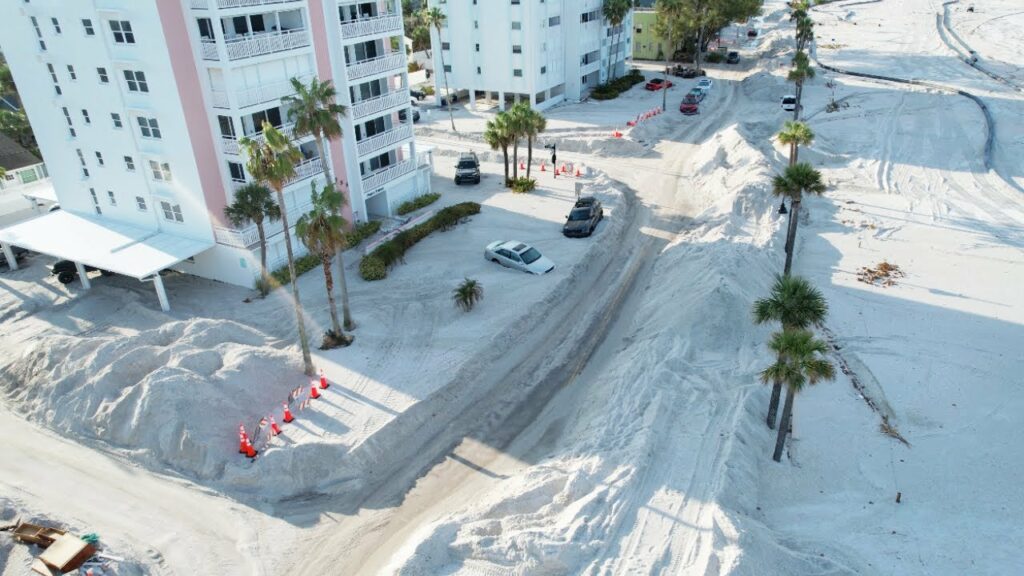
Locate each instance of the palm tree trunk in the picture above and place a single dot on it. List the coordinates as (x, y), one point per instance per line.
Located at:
(529, 155)
(447, 93)
(263, 257)
(329, 280)
(773, 404)
(794, 220)
(346, 314)
(323, 158)
(307, 360)
(787, 418)
(799, 96)
(664, 77)
(793, 151)
(504, 153)
(515, 160)
(700, 44)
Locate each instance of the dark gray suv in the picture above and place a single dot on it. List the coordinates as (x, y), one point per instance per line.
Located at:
(468, 169)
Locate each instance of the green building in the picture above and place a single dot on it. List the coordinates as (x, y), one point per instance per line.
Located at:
(646, 43)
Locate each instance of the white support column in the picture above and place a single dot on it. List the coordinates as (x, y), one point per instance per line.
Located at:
(12, 262)
(82, 275)
(158, 282)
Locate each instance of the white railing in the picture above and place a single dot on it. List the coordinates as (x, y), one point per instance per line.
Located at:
(266, 43)
(220, 99)
(307, 168)
(267, 92)
(380, 103)
(242, 238)
(200, 4)
(376, 66)
(232, 146)
(370, 26)
(382, 177)
(209, 49)
(242, 3)
(384, 139)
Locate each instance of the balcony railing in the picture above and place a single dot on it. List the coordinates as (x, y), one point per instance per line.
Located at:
(384, 139)
(306, 169)
(198, 4)
(381, 177)
(371, 26)
(258, 95)
(232, 146)
(257, 45)
(243, 3)
(377, 65)
(297, 203)
(380, 103)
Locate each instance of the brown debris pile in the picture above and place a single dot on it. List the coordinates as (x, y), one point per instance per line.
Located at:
(884, 274)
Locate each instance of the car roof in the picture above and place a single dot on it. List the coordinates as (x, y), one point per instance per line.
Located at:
(519, 246)
(586, 201)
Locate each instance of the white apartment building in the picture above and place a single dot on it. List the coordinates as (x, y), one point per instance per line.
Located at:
(139, 105)
(543, 51)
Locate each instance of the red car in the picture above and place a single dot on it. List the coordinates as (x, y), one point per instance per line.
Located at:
(689, 107)
(658, 84)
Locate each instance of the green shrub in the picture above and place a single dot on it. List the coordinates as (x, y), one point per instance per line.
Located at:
(414, 67)
(385, 256)
(523, 184)
(302, 265)
(428, 90)
(417, 203)
(467, 294)
(362, 231)
(714, 58)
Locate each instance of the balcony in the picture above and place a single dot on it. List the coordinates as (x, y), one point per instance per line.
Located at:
(307, 169)
(245, 3)
(198, 4)
(297, 203)
(388, 23)
(391, 62)
(258, 95)
(232, 145)
(258, 44)
(384, 139)
(379, 104)
(381, 177)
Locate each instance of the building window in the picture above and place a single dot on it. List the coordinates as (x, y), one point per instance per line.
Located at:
(81, 157)
(517, 25)
(237, 172)
(446, 46)
(122, 30)
(85, 116)
(71, 72)
(478, 70)
(149, 127)
(56, 25)
(129, 163)
(477, 47)
(53, 76)
(518, 73)
(67, 116)
(87, 24)
(448, 68)
(515, 2)
(543, 69)
(554, 21)
(592, 16)
(161, 171)
(517, 49)
(102, 72)
(136, 81)
(95, 201)
(172, 212)
(117, 120)
(99, 158)
(39, 33)
(140, 203)
(111, 198)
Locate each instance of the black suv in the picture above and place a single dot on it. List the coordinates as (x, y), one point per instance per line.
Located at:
(468, 169)
(417, 94)
(583, 219)
(732, 58)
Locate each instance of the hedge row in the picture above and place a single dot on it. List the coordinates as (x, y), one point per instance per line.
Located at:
(376, 264)
(362, 231)
(417, 203)
(619, 85)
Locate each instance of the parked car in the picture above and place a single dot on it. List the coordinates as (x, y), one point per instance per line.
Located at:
(689, 108)
(19, 254)
(705, 84)
(685, 71)
(413, 102)
(697, 93)
(751, 33)
(66, 272)
(415, 115)
(658, 84)
(468, 169)
(789, 103)
(518, 255)
(732, 58)
(583, 218)
(443, 100)
(417, 94)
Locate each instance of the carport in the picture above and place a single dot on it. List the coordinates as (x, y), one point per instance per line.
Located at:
(106, 245)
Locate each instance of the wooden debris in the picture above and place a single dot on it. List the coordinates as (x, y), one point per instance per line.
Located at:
(884, 274)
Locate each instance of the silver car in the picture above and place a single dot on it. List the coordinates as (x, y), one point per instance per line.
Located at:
(518, 255)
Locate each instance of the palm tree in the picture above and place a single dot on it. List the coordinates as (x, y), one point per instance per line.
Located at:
(797, 179)
(467, 294)
(799, 362)
(668, 26)
(796, 305)
(498, 135)
(272, 160)
(536, 124)
(804, 31)
(520, 118)
(436, 18)
(321, 230)
(315, 111)
(800, 73)
(615, 11)
(794, 135)
(254, 203)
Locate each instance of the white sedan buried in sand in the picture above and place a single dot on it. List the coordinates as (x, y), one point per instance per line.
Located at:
(518, 255)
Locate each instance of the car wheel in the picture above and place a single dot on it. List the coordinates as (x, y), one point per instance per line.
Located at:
(477, 181)
(66, 277)
(495, 260)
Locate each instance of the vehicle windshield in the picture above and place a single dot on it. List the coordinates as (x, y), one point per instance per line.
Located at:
(788, 100)
(579, 214)
(467, 164)
(530, 256)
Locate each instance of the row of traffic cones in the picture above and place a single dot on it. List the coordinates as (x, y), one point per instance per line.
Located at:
(245, 446)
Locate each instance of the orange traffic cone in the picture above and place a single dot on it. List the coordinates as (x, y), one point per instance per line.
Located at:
(522, 165)
(274, 428)
(323, 380)
(542, 169)
(313, 392)
(578, 172)
(249, 450)
(242, 439)
(287, 414)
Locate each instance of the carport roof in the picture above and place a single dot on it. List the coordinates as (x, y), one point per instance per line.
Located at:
(103, 244)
